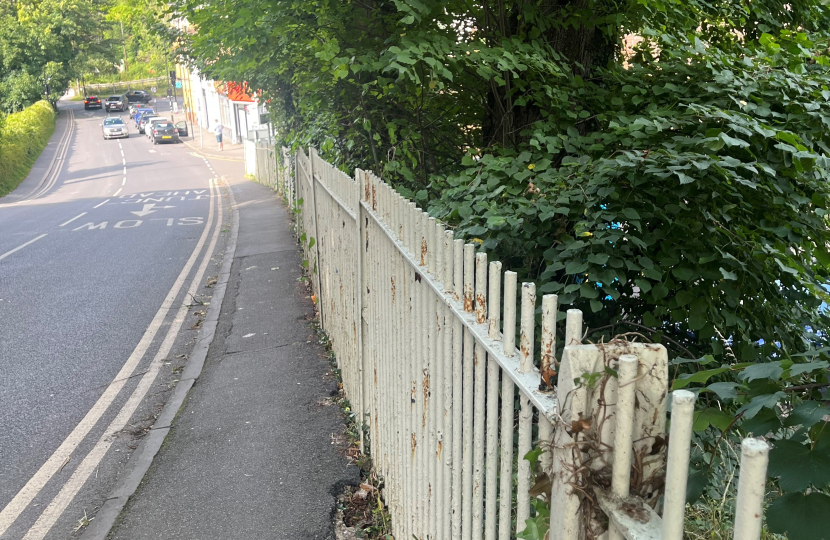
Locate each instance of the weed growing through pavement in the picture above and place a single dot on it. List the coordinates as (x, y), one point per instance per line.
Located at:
(361, 506)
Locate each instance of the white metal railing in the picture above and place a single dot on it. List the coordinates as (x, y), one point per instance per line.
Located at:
(424, 331)
(98, 86)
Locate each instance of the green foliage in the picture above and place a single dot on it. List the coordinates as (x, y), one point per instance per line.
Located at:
(23, 136)
(796, 514)
(675, 185)
(41, 40)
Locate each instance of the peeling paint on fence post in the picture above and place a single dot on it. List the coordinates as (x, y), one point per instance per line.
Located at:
(507, 399)
(360, 231)
(467, 389)
(446, 508)
(480, 402)
(526, 342)
(457, 390)
(547, 369)
(623, 431)
(494, 318)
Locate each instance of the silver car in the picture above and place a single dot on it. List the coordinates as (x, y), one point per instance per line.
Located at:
(114, 128)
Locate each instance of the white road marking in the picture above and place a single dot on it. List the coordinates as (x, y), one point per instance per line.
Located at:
(117, 192)
(18, 248)
(73, 219)
(49, 516)
(101, 204)
(125, 170)
(33, 487)
(122, 151)
(123, 161)
(124, 181)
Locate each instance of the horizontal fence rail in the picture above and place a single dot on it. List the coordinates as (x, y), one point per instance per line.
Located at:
(440, 358)
(125, 84)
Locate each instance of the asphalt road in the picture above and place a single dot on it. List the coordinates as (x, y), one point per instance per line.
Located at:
(96, 265)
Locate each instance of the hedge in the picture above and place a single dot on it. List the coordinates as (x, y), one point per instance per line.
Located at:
(23, 136)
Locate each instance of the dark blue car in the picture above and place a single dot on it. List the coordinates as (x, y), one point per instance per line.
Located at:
(139, 113)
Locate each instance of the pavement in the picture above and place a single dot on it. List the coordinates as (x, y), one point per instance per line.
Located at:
(204, 142)
(158, 367)
(250, 455)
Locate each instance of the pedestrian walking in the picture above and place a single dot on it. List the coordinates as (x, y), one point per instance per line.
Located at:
(217, 129)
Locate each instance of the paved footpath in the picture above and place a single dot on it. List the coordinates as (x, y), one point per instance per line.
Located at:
(250, 454)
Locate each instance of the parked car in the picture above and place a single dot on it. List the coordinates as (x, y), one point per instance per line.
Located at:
(114, 128)
(181, 127)
(142, 121)
(92, 102)
(135, 107)
(139, 96)
(116, 103)
(141, 111)
(148, 127)
(164, 131)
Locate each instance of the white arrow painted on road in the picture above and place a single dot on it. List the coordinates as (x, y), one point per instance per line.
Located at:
(148, 209)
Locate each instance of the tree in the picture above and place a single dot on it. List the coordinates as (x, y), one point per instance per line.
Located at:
(660, 164)
(40, 39)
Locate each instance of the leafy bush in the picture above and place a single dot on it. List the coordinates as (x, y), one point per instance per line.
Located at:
(23, 136)
(675, 187)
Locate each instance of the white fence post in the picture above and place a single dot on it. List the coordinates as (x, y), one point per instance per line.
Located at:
(677, 467)
(312, 154)
(749, 508)
(422, 354)
(365, 379)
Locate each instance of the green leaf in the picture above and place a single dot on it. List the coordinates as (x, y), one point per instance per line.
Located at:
(696, 484)
(596, 305)
(766, 421)
(797, 516)
(798, 465)
(699, 377)
(807, 413)
(728, 275)
(798, 369)
(533, 455)
(768, 370)
(724, 390)
(759, 402)
(575, 267)
(630, 213)
(683, 274)
(711, 416)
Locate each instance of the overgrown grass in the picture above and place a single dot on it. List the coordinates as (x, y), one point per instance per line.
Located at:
(23, 135)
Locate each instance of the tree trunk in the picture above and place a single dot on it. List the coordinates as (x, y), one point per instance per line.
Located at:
(582, 45)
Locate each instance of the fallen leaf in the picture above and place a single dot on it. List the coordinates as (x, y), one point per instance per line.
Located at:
(249, 335)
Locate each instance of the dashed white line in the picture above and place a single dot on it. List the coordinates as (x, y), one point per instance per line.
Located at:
(124, 181)
(123, 161)
(73, 219)
(122, 153)
(18, 248)
(101, 204)
(117, 192)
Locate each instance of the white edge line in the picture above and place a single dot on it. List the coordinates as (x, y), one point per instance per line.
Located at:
(117, 192)
(73, 219)
(100, 204)
(18, 248)
(79, 477)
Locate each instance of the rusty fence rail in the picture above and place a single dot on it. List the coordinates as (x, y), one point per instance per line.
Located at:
(425, 328)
